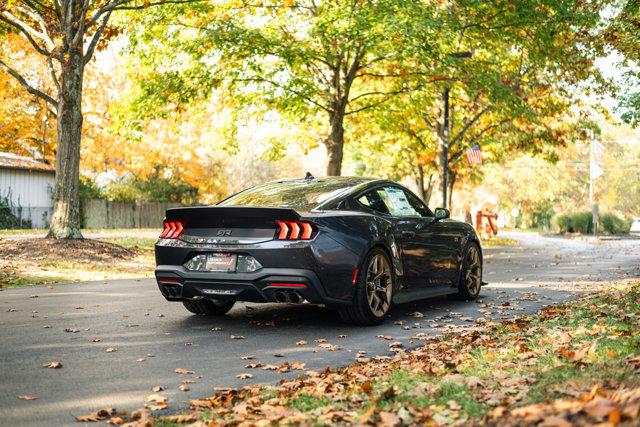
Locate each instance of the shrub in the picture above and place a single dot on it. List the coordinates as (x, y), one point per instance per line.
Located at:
(612, 224)
(582, 222)
(7, 218)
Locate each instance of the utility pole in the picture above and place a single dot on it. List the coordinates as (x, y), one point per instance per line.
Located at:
(445, 145)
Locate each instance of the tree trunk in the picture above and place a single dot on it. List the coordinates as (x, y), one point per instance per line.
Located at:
(424, 192)
(429, 190)
(420, 182)
(452, 181)
(65, 220)
(335, 143)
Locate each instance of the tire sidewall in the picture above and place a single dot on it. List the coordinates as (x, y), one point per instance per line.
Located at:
(361, 291)
(463, 290)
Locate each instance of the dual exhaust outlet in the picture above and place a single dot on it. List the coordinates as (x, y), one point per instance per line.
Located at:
(291, 297)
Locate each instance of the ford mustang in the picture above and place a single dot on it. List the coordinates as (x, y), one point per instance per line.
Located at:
(359, 245)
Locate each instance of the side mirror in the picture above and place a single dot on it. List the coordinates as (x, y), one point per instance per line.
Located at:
(441, 213)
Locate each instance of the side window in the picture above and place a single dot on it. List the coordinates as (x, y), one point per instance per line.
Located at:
(373, 201)
(399, 203)
(418, 205)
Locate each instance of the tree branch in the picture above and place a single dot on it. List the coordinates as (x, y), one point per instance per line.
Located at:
(94, 40)
(468, 124)
(27, 86)
(26, 32)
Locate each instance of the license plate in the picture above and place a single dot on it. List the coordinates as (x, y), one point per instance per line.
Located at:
(221, 262)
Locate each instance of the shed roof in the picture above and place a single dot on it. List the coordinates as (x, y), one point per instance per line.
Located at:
(13, 161)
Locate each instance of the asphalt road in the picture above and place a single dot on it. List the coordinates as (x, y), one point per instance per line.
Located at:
(152, 337)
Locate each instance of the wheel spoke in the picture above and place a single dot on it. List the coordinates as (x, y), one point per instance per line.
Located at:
(378, 285)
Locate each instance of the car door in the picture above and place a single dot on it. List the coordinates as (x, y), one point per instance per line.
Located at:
(427, 250)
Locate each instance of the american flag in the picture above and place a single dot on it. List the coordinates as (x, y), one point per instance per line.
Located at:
(597, 150)
(474, 155)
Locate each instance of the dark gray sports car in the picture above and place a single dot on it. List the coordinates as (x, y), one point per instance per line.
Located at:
(355, 244)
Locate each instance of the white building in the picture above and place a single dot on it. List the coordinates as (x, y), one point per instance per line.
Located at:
(26, 189)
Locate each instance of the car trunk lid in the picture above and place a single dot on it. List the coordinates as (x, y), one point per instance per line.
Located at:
(229, 224)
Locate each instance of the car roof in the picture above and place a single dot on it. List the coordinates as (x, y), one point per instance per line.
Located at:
(353, 180)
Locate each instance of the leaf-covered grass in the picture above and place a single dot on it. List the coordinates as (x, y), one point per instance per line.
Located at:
(584, 352)
(28, 262)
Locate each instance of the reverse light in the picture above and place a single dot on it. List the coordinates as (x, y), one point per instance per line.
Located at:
(294, 230)
(172, 230)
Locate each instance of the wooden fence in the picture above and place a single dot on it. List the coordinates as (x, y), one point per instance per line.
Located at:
(100, 213)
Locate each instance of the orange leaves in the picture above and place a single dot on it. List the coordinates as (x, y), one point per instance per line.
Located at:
(99, 415)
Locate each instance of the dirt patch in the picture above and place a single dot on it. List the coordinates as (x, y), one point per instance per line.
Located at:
(84, 250)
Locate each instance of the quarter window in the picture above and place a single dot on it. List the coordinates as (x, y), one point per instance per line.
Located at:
(373, 201)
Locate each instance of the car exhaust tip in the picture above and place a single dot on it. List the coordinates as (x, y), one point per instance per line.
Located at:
(295, 298)
(280, 296)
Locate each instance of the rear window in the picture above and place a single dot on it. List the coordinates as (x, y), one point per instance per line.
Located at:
(301, 195)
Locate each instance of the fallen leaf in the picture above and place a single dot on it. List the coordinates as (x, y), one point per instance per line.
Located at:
(180, 418)
(111, 350)
(182, 371)
(53, 365)
(253, 365)
(599, 407)
(366, 387)
(301, 342)
(247, 357)
(298, 366)
(26, 397)
(116, 421)
(99, 415)
(244, 376)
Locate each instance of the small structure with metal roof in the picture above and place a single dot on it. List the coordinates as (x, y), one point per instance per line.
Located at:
(26, 190)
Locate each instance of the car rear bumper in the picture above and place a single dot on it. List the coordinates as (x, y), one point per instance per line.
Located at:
(266, 285)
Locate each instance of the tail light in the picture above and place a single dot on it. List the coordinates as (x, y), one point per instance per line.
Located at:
(172, 230)
(295, 230)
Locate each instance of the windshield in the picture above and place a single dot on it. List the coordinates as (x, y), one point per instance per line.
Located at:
(301, 195)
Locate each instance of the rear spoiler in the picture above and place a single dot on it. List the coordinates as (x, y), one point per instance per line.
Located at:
(212, 212)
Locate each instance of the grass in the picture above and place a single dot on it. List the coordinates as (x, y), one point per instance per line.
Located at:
(27, 231)
(496, 242)
(145, 244)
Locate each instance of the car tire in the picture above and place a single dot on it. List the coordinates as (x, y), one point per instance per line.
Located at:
(207, 307)
(373, 299)
(470, 281)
